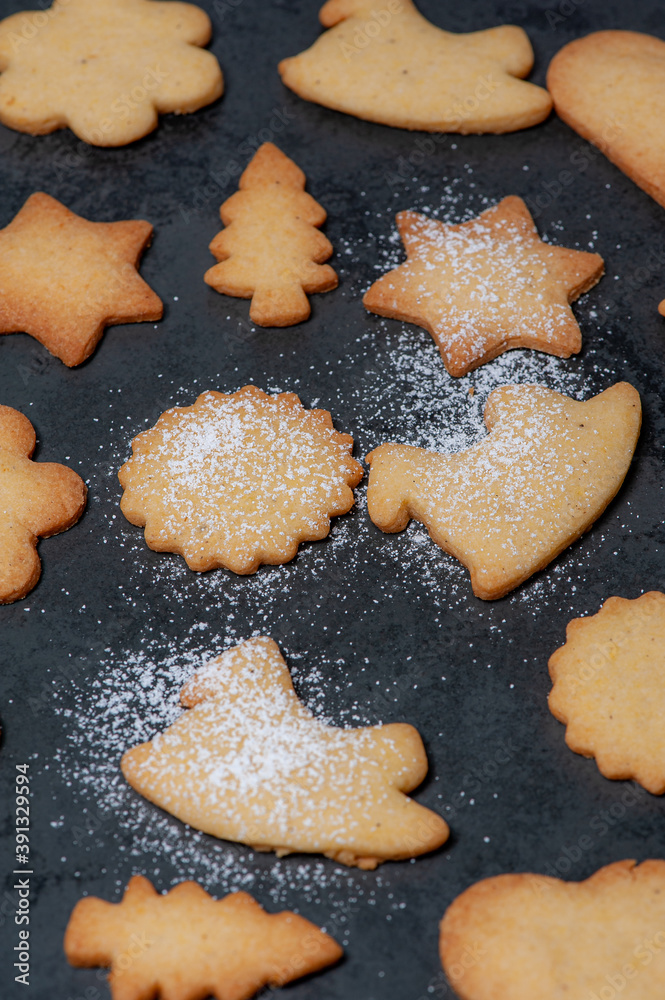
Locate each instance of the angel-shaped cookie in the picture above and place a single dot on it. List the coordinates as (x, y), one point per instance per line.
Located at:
(238, 480)
(187, 944)
(527, 936)
(509, 504)
(36, 499)
(105, 68)
(249, 762)
(486, 286)
(387, 64)
(272, 250)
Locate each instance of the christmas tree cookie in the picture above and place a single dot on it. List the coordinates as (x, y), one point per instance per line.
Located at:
(248, 762)
(271, 250)
(186, 944)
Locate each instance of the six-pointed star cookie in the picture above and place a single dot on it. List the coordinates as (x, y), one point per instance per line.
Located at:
(609, 688)
(36, 498)
(249, 762)
(238, 480)
(485, 286)
(105, 68)
(64, 279)
(185, 944)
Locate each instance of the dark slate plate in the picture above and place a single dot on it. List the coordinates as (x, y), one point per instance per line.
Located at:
(370, 623)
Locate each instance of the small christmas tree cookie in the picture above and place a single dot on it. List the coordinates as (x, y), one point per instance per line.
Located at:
(187, 944)
(36, 499)
(272, 250)
(248, 762)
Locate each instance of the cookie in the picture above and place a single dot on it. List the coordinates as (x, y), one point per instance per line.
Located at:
(609, 689)
(486, 286)
(522, 937)
(509, 504)
(249, 762)
(37, 499)
(388, 64)
(187, 944)
(238, 480)
(608, 88)
(105, 68)
(64, 279)
(272, 251)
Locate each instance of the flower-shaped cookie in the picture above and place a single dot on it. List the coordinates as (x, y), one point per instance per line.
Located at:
(609, 688)
(238, 480)
(105, 68)
(36, 498)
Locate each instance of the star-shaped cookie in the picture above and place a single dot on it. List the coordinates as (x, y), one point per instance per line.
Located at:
(64, 279)
(105, 68)
(249, 762)
(36, 499)
(238, 480)
(485, 286)
(185, 944)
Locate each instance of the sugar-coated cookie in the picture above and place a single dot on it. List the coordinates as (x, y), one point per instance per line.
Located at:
(532, 937)
(249, 762)
(609, 688)
(271, 250)
(37, 499)
(238, 480)
(64, 279)
(485, 286)
(608, 87)
(508, 505)
(186, 944)
(105, 68)
(386, 63)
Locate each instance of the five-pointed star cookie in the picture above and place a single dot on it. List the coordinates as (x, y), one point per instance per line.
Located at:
(187, 945)
(36, 499)
(64, 279)
(609, 688)
(509, 504)
(105, 68)
(485, 286)
(249, 762)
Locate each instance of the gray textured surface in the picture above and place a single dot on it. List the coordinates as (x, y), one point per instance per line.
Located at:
(348, 598)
